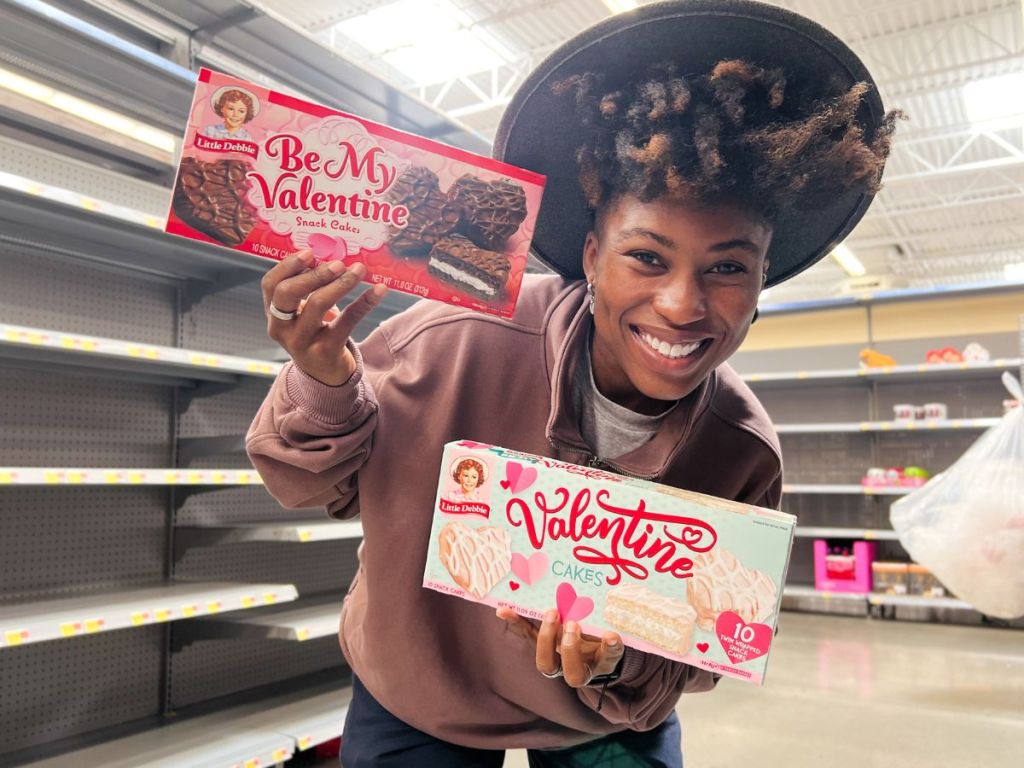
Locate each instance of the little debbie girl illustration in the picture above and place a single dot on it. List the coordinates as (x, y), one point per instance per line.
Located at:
(237, 106)
(469, 475)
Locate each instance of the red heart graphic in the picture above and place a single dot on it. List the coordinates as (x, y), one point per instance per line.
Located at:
(741, 641)
(513, 585)
(703, 647)
(692, 536)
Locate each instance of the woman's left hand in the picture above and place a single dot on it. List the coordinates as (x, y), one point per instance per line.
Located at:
(579, 657)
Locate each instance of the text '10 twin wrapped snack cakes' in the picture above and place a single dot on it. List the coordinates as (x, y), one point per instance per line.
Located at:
(268, 174)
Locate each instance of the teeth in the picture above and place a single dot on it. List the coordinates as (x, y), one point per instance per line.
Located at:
(671, 351)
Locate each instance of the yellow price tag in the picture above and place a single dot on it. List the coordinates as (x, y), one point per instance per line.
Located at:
(802, 375)
(280, 755)
(189, 610)
(16, 637)
(70, 629)
(244, 478)
(11, 335)
(35, 338)
(248, 601)
(134, 351)
(269, 597)
(89, 204)
(219, 477)
(139, 618)
(825, 595)
(52, 477)
(171, 478)
(136, 478)
(302, 634)
(94, 625)
(68, 343)
(162, 614)
(870, 535)
(152, 354)
(112, 477)
(305, 535)
(213, 606)
(254, 763)
(76, 478)
(196, 359)
(6, 478)
(305, 742)
(89, 346)
(195, 478)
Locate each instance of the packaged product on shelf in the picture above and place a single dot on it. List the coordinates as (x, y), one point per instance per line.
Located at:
(923, 582)
(685, 576)
(268, 174)
(938, 411)
(843, 567)
(890, 578)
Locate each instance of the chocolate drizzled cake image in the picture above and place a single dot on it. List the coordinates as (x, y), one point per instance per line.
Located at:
(431, 214)
(475, 270)
(463, 232)
(210, 197)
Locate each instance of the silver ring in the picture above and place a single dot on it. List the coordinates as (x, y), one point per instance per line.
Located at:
(553, 675)
(281, 315)
(590, 673)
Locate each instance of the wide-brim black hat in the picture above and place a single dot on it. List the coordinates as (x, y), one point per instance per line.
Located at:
(538, 130)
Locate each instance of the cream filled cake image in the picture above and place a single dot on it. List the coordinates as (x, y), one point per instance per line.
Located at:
(643, 613)
(476, 558)
(722, 583)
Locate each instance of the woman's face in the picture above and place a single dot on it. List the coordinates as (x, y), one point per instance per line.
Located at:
(469, 478)
(676, 288)
(234, 114)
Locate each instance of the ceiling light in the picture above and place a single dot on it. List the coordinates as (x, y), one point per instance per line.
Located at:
(848, 261)
(1014, 272)
(620, 6)
(88, 111)
(428, 41)
(995, 98)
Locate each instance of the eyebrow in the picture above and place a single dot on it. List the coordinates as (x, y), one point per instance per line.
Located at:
(667, 242)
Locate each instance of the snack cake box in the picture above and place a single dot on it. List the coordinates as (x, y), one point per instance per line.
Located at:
(268, 174)
(689, 577)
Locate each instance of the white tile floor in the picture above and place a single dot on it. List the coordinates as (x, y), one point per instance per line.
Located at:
(859, 693)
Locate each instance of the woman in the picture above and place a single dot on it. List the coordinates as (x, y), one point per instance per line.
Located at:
(237, 107)
(681, 179)
(468, 477)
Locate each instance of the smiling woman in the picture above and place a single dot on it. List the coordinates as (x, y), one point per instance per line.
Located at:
(671, 201)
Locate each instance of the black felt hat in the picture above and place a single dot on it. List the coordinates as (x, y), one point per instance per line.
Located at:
(538, 130)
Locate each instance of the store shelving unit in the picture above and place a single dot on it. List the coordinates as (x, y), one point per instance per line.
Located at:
(251, 736)
(297, 622)
(825, 457)
(36, 622)
(288, 532)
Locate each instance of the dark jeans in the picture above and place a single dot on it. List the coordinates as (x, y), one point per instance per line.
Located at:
(374, 738)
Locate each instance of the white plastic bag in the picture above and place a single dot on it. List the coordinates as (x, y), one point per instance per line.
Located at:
(967, 525)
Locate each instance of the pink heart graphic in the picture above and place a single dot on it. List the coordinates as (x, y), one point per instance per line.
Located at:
(529, 570)
(741, 641)
(327, 248)
(518, 478)
(572, 607)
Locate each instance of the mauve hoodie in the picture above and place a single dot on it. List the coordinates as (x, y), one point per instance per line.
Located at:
(372, 447)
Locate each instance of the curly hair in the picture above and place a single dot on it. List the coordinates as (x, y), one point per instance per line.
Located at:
(739, 133)
(235, 95)
(468, 464)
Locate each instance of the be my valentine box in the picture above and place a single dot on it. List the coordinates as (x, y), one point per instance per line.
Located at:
(689, 577)
(269, 174)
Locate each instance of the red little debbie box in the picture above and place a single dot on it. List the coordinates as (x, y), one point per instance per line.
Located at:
(269, 174)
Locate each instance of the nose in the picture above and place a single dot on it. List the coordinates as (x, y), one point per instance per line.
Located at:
(682, 299)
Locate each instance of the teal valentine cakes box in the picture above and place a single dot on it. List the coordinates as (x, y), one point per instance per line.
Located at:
(685, 576)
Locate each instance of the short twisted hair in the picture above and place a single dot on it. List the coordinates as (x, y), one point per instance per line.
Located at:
(740, 133)
(235, 95)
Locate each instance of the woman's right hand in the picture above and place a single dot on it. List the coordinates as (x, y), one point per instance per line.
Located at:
(318, 348)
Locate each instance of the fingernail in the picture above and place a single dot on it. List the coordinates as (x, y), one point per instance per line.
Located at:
(551, 616)
(306, 256)
(359, 270)
(336, 267)
(569, 637)
(611, 641)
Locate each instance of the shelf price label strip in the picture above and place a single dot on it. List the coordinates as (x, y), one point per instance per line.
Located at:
(36, 337)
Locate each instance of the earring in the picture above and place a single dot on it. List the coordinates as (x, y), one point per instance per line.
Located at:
(591, 296)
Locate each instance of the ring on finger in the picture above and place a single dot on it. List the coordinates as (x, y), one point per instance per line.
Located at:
(280, 314)
(590, 674)
(553, 675)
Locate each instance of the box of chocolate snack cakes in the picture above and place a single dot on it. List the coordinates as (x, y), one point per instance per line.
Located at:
(689, 577)
(269, 174)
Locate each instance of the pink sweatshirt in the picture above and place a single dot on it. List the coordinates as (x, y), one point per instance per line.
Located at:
(373, 447)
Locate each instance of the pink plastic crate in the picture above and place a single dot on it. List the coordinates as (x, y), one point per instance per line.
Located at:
(837, 578)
